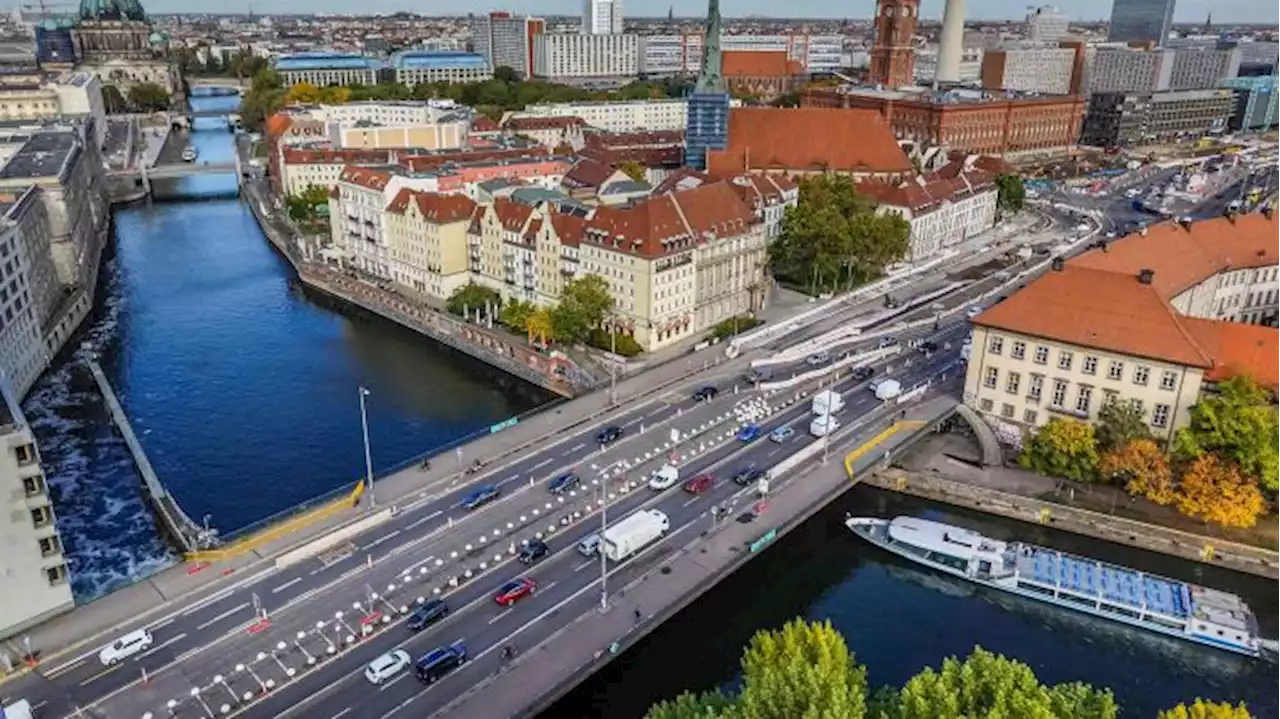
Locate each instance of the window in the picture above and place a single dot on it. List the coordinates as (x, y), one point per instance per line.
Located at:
(49, 545)
(996, 345)
(1115, 370)
(1011, 384)
(1006, 410)
(1042, 354)
(1141, 374)
(1137, 405)
(1019, 350)
(1036, 387)
(1160, 416)
(1029, 416)
(33, 485)
(993, 376)
(1084, 399)
(1064, 359)
(40, 516)
(1090, 365)
(986, 405)
(56, 575)
(1059, 393)
(1168, 380)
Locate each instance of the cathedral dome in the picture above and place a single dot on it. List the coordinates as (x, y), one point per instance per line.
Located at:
(158, 38)
(112, 10)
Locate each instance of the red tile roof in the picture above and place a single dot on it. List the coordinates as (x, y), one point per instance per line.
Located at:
(806, 139)
(763, 190)
(276, 125)
(1239, 349)
(434, 207)
(431, 161)
(524, 124)
(511, 215)
(482, 124)
(587, 172)
(682, 178)
(759, 63)
(927, 191)
(365, 177)
(568, 228)
(671, 223)
(619, 140)
(306, 156)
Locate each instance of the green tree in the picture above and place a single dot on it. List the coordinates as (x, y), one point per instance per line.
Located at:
(265, 95)
(802, 671)
(1202, 709)
(113, 101)
(468, 298)
(834, 237)
(709, 705)
(1237, 423)
(1119, 423)
(304, 206)
(515, 314)
(584, 303)
(1011, 194)
(988, 685)
(633, 169)
(148, 97)
(1062, 448)
(505, 74)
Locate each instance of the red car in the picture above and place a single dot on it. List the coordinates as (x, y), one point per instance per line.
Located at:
(514, 590)
(699, 484)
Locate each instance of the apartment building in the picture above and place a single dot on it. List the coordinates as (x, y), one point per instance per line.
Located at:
(1046, 24)
(1150, 319)
(29, 288)
(506, 40)
(682, 54)
(1049, 70)
(1148, 70)
(549, 132)
(618, 116)
(357, 216)
(601, 17)
(324, 69)
(572, 57)
(417, 67)
(304, 167)
(1128, 120)
(427, 241)
(37, 585)
(944, 208)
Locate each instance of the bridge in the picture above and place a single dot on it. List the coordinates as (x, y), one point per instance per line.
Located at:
(174, 171)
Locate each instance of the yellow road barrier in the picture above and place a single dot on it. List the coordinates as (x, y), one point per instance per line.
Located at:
(272, 533)
(871, 444)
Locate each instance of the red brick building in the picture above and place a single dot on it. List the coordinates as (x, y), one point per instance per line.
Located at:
(892, 53)
(763, 75)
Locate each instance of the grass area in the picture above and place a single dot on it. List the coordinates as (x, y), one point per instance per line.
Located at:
(735, 326)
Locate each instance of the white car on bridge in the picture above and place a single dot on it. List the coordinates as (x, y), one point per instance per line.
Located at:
(121, 649)
(387, 666)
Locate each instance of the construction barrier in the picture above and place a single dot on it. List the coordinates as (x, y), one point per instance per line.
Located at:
(270, 534)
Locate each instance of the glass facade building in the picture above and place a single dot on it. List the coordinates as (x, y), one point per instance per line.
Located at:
(1141, 21)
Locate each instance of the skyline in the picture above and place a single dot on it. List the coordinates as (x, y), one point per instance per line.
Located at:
(1187, 11)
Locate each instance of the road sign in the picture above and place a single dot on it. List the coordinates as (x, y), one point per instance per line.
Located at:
(764, 540)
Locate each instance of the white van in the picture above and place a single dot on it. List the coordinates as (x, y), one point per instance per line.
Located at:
(134, 642)
(823, 424)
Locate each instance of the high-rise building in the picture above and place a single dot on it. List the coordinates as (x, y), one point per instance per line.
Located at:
(506, 40)
(708, 127)
(1141, 21)
(565, 56)
(1046, 24)
(892, 55)
(601, 17)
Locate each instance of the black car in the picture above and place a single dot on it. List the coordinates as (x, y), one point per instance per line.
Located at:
(706, 393)
(434, 665)
(481, 497)
(747, 475)
(609, 435)
(564, 483)
(532, 551)
(427, 614)
(928, 347)
(863, 374)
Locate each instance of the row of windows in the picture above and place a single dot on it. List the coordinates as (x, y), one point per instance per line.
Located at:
(1058, 398)
(1089, 365)
(1159, 415)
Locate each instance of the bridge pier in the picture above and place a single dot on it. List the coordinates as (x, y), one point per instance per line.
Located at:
(146, 181)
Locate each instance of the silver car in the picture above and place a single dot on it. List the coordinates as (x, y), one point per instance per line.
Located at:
(589, 546)
(818, 358)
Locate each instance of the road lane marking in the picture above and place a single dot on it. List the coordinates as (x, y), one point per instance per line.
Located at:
(99, 675)
(584, 565)
(510, 479)
(426, 519)
(161, 625)
(158, 647)
(64, 667)
(211, 600)
(772, 453)
(341, 714)
(222, 616)
(501, 614)
(634, 421)
(387, 685)
(656, 412)
(414, 566)
(692, 499)
(548, 587)
(389, 535)
(286, 585)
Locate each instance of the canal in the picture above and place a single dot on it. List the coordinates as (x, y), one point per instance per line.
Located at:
(899, 618)
(241, 385)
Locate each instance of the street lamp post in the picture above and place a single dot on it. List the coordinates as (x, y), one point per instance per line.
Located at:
(604, 525)
(368, 458)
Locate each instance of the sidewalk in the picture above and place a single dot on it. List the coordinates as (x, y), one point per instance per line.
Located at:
(586, 644)
(143, 602)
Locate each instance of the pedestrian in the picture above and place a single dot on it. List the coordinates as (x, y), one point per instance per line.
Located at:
(638, 615)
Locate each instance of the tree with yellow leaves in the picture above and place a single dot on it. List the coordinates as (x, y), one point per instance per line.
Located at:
(1142, 468)
(1214, 490)
(1206, 710)
(539, 325)
(1062, 448)
(301, 93)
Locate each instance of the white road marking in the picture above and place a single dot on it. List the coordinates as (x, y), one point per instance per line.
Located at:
(772, 453)
(584, 565)
(389, 535)
(158, 647)
(64, 667)
(387, 685)
(99, 675)
(500, 615)
(341, 714)
(419, 564)
(426, 519)
(215, 598)
(576, 447)
(692, 499)
(509, 480)
(656, 412)
(222, 616)
(286, 585)
(545, 462)
(548, 587)
(634, 421)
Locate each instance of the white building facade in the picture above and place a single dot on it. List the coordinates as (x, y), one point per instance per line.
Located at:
(620, 116)
(585, 56)
(602, 17)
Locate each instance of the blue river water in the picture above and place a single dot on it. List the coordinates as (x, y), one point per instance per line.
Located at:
(241, 385)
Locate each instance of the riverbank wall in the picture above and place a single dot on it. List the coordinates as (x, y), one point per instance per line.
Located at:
(551, 371)
(1109, 527)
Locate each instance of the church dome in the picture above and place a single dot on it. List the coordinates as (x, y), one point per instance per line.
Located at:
(158, 38)
(112, 10)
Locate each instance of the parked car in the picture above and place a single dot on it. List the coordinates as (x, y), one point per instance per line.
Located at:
(481, 497)
(427, 614)
(564, 483)
(705, 393)
(514, 590)
(532, 551)
(609, 435)
(818, 358)
(781, 434)
(435, 664)
(748, 475)
(750, 433)
(134, 642)
(386, 666)
(862, 374)
(700, 484)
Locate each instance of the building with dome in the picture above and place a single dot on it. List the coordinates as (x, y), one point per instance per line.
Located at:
(115, 40)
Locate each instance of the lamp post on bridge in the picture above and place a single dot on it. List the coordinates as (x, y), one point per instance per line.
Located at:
(368, 457)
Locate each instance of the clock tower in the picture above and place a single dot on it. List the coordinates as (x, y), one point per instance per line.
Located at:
(892, 53)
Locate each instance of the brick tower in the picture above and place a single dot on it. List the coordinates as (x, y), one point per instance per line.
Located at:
(892, 58)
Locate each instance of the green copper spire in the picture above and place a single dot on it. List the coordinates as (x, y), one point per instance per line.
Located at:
(711, 79)
(112, 10)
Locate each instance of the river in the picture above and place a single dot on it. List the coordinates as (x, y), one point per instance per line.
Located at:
(898, 618)
(241, 385)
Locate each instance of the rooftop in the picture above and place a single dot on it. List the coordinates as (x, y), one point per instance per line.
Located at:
(326, 61)
(438, 60)
(42, 155)
(808, 139)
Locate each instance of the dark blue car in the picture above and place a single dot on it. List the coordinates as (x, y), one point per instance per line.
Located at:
(481, 497)
(750, 433)
(437, 663)
(609, 435)
(564, 483)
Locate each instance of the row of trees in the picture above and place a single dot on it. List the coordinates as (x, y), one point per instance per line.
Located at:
(806, 671)
(240, 64)
(1220, 468)
(143, 97)
(834, 237)
(580, 316)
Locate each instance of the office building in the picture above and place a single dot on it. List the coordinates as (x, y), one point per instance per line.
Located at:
(26, 94)
(572, 57)
(892, 51)
(1255, 103)
(708, 114)
(1142, 21)
(1139, 70)
(1047, 70)
(601, 17)
(619, 115)
(506, 40)
(1153, 320)
(682, 54)
(416, 67)
(1046, 24)
(37, 585)
(324, 69)
(1134, 120)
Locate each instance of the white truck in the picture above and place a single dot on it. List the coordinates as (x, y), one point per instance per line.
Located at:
(823, 425)
(631, 534)
(827, 402)
(886, 388)
(20, 709)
